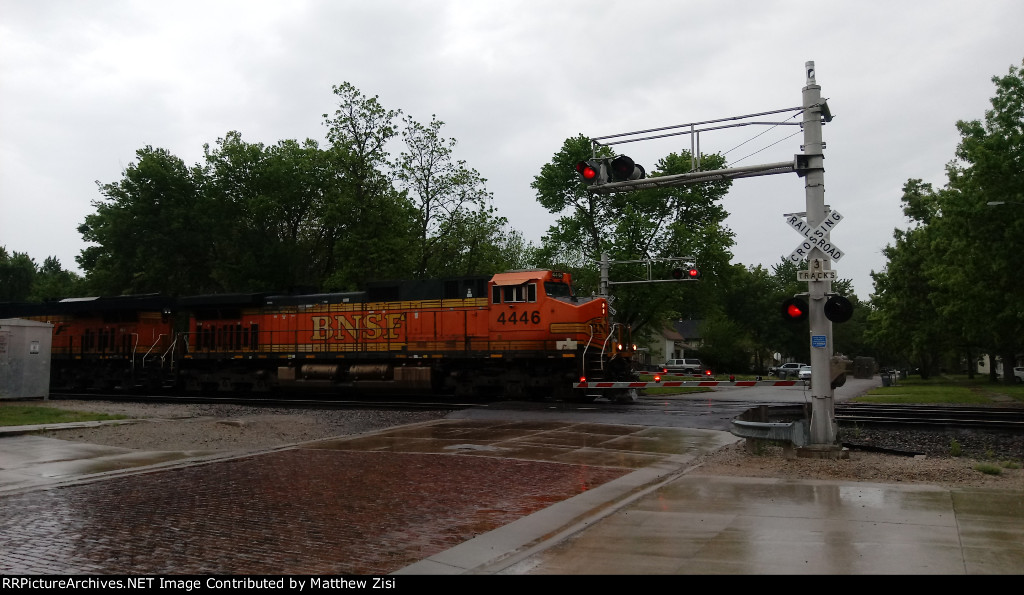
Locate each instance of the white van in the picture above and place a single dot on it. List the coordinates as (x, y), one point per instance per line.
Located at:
(683, 366)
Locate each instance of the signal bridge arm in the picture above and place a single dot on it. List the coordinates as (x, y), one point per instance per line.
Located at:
(695, 177)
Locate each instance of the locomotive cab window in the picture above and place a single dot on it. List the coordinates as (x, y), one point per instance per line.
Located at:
(556, 289)
(526, 292)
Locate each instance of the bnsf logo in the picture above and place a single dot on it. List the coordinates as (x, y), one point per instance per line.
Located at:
(363, 327)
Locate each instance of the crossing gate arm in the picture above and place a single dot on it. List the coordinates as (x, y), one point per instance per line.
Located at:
(681, 383)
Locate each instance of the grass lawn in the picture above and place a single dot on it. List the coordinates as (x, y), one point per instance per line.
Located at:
(27, 415)
(945, 389)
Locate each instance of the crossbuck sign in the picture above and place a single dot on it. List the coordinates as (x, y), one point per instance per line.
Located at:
(815, 238)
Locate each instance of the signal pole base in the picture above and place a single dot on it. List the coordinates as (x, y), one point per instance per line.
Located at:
(832, 452)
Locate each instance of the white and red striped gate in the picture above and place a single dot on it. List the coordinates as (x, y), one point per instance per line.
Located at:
(682, 383)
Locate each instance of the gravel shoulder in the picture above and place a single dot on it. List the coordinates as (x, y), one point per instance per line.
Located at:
(231, 428)
(226, 427)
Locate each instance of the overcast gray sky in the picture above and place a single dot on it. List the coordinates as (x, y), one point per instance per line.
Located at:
(84, 84)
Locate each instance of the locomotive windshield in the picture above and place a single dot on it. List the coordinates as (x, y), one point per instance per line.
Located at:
(557, 289)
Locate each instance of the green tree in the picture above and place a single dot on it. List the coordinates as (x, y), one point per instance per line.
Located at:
(950, 285)
(273, 202)
(53, 282)
(455, 218)
(376, 223)
(648, 224)
(744, 296)
(152, 231)
(904, 325)
(17, 273)
(990, 168)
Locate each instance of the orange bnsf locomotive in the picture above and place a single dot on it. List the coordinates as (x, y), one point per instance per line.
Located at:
(519, 334)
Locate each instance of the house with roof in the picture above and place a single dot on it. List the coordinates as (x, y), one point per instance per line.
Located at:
(677, 339)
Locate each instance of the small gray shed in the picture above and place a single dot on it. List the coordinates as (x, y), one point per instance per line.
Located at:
(25, 358)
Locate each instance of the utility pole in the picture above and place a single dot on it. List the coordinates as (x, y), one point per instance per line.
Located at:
(822, 425)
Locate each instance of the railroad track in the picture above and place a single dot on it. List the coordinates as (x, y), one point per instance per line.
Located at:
(864, 415)
(930, 416)
(324, 402)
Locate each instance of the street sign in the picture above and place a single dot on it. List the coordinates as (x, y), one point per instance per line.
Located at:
(819, 341)
(815, 238)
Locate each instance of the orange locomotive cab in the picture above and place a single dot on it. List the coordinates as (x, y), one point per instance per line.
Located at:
(537, 312)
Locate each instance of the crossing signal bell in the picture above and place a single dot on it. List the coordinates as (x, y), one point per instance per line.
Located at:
(595, 172)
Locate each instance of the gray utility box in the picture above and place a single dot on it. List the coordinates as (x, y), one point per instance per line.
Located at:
(25, 358)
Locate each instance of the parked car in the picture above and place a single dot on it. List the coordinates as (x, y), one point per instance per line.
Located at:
(1018, 374)
(683, 366)
(788, 369)
(804, 373)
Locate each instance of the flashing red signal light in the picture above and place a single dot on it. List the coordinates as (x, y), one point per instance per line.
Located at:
(657, 377)
(586, 171)
(794, 309)
(598, 171)
(592, 172)
(686, 274)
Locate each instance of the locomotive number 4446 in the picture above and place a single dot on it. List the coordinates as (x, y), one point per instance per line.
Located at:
(523, 317)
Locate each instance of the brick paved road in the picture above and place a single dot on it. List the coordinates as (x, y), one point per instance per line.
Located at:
(369, 505)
